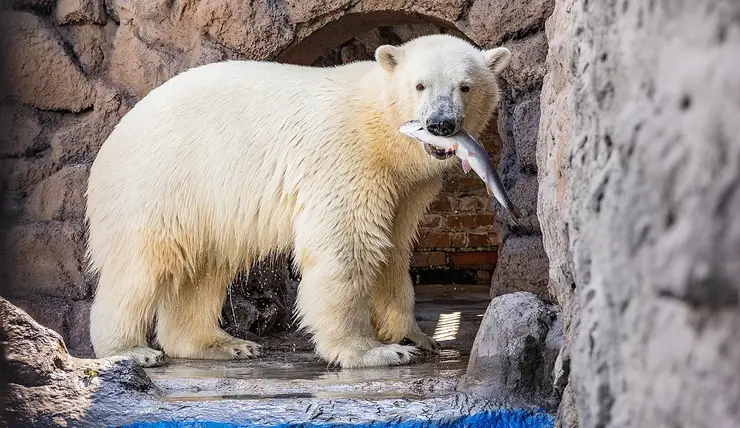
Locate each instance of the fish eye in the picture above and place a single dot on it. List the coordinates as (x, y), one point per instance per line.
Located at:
(419, 87)
(464, 88)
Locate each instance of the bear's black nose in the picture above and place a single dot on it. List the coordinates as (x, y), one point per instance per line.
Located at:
(440, 127)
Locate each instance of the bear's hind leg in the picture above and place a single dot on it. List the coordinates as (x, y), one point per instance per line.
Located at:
(188, 322)
(123, 307)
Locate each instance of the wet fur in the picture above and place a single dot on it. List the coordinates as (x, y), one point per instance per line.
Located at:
(232, 162)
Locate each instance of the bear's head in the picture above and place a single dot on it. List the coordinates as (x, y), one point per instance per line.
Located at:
(443, 81)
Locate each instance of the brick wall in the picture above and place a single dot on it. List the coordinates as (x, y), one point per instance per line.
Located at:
(458, 239)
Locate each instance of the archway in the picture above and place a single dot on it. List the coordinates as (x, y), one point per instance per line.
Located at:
(343, 30)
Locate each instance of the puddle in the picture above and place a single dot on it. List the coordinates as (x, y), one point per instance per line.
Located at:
(293, 396)
(299, 376)
(281, 374)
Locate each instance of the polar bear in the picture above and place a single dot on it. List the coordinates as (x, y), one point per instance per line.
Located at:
(230, 162)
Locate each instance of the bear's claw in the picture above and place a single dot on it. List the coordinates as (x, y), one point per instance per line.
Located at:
(422, 341)
(385, 355)
(238, 349)
(145, 356)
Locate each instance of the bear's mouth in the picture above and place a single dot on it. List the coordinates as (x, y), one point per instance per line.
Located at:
(437, 153)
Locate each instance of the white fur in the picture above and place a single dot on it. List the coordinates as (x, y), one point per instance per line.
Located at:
(232, 162)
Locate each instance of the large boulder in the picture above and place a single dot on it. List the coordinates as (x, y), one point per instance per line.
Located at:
(44, 386)
(514, 352)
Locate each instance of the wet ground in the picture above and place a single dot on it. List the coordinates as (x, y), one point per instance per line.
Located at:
(288, 387)
(289, 369)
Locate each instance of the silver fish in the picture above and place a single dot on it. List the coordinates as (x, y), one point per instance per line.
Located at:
(473, 156)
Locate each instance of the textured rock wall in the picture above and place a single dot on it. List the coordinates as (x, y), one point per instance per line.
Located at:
(639, 168)
(73, 68)
(523, 264)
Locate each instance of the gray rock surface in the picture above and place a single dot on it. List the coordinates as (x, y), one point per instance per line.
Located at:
(523, 266)
(639, 168)
(44, 386)
(514, 352)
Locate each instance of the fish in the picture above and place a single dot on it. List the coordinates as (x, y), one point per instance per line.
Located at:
(472, 154)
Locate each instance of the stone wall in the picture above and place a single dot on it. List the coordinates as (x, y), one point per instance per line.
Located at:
(639, 169)
(75, 68)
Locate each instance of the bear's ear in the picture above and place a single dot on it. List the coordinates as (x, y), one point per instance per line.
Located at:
(388, 56)
(497, 59)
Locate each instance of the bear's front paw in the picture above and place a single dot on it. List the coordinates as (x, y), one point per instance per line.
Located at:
(384, 355)
(145, 356)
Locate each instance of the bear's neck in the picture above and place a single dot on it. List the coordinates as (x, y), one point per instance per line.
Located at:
(385, 114)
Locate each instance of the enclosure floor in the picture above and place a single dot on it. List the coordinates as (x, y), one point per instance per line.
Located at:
(289, 369)
(289, 387)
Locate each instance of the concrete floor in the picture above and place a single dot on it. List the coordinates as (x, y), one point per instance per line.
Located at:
(289, 369)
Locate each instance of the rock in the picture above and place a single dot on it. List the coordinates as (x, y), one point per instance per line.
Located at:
(639, 165)
(23, 132)
(137, 67)
(69, 318)
(77, 335)
(490, 23)
(43, 7)
(567, 416)
(526, 119)
(23, 174)
(518, 123)
(32, 352)
(45, 386)
(90, 44)
(527, 66)
(51, 312)
(522, 266)
(61, 196)
(35, 60)
(44, 257)
(269, 32)
(519, 128)
(79, 141)
(80, 12)
(555, 129)
(112, 11)
(523, 194)
(262, 302)
(511, 360)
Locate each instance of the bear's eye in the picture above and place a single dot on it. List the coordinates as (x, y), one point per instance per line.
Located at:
(465, 88)
(419, 87)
